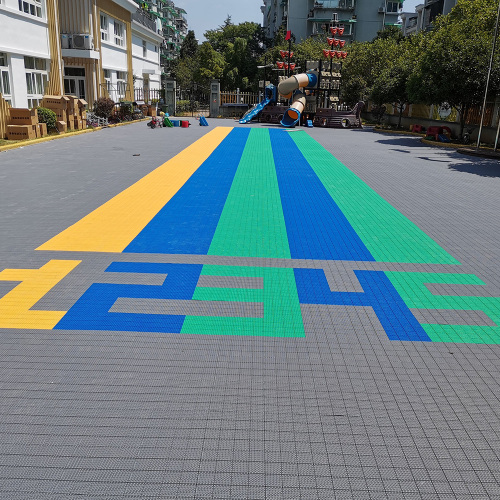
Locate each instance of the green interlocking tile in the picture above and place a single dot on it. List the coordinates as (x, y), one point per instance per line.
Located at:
(282, 315)
(252, 222)
(411, 287)
(388, 234)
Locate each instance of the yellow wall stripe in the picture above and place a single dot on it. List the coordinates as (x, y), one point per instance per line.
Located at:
(112, 226)
(15, 306)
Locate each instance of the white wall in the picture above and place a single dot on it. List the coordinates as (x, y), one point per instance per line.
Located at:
(146, 65)
(114, 56)
(21, 35)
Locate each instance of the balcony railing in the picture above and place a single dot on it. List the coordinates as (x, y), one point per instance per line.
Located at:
(145, 19)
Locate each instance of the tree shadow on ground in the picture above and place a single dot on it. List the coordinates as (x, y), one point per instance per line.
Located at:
(402, 141)
(478, 166)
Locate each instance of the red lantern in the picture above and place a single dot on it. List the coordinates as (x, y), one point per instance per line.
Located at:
(342, 43)
(326, 52)
(344, 55)
(292, 66)
(338, 54)
(333, 30)
(330, 41)
(340, 31)
(283, 54)
(280, 64)
(291, 54)
(336, 42)
(286, 65)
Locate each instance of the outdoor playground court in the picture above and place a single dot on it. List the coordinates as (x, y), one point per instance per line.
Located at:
(336, 304)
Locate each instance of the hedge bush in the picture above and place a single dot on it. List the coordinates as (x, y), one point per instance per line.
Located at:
(103, 107)
(185, 106)
(47, 116)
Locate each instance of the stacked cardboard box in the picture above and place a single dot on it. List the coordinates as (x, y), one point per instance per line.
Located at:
(23, 124)
(70, 111)
(151, 110)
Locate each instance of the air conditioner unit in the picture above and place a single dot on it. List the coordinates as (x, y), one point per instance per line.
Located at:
(65, 41)
(381, 10)
(82, 41)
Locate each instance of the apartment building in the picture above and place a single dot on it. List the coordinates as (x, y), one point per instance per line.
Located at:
(305, 18)
(424, 15)
(88, 48)
(172, 23)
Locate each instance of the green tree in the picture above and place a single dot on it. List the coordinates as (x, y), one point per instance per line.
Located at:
(391, 33)
(365, 63)
(455, 58)
(189, 46)
(211, 64)
(391, 85)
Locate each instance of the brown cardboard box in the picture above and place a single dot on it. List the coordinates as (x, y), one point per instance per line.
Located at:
(72, 105)
(83, 114)
(20, 132)
(151, 111)
(43, 129)
(61, 126)
(78, 124)
(54, 102)
(60, 114)
(36, 130)
(84, 124)
(71, 123)
(23, 116)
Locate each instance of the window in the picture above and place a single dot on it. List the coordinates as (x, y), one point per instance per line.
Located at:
(36, 79)
(118, 29)
(4, 78)
(121, 83)
(104, 28)
(392, 7)
(144, 49)
(32, 7)
(107, 79)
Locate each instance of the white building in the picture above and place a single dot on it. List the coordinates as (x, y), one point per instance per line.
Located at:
(88, 48)
(25, 52)
(146, 44)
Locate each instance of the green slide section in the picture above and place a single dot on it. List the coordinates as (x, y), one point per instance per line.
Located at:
(282, 315)
(388, 234)
(252, 222)
(411, 287)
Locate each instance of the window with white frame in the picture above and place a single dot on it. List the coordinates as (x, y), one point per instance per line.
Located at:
(392, 7)
(32, 7)
(144, 48)
(36, 79)
(104, 28)
(119, 33)
(121, 83)
(4, 78)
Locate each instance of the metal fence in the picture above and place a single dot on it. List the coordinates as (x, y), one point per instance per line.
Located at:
(237, 97)
(148, 95)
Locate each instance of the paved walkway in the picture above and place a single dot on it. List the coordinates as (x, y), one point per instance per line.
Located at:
(248, 312)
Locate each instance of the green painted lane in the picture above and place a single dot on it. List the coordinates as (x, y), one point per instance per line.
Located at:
(252, 222)
(387, 233)
(282, 314)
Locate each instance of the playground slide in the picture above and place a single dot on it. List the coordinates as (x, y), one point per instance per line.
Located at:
(255, 111)
(269, 98)
(291, 88)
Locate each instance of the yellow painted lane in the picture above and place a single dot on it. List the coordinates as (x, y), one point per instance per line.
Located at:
(112, 226)
(15, 306)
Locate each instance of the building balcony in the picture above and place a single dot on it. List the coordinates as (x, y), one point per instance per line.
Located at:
(145, 19)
